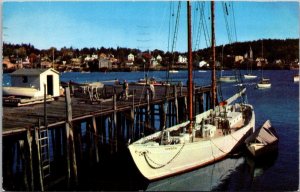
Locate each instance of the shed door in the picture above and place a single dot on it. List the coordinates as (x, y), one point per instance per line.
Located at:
(50, 84)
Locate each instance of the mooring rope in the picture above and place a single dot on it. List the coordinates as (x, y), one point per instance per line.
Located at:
(217, 146)
(147, 158)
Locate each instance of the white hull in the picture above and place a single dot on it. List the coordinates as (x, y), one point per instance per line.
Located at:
(173, 71)
(156, 160)
(249, 76)
(263, 85)
(227, 79)
(21, 91)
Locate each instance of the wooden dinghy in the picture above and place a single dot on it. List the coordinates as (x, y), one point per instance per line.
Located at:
(263, 141)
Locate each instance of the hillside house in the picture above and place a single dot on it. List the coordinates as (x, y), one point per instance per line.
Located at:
(182, 59)
(130, 57)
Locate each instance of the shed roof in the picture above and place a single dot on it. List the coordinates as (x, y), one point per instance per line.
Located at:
(32, 72)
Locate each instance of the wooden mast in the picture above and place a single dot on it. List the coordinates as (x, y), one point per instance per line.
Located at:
(213, 71)
(190, 68)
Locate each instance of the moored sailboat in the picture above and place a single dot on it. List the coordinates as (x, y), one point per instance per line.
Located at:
(264, 82)
(249, 74)
(203, 139)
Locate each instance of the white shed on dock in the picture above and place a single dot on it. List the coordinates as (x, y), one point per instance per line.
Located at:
(36, 78)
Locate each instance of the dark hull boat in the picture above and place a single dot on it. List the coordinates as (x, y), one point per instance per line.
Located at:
(263, 141)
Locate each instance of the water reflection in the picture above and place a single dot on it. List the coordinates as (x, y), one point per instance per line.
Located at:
(236, 173)
(259, 166)
(203, 179)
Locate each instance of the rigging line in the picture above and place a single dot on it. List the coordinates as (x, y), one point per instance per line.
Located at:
(197, 28)
(176, 27)
(169, 37)
(234, 26)
(198, 34)
(226, 23)
(175, 34)
(169, 33)
(205, 28)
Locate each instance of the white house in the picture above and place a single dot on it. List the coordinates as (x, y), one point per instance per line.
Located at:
(203, 64)
(159, 58)
(238, 58)
(182, 59)
(36, 78)
(153, 62)
(130, 57)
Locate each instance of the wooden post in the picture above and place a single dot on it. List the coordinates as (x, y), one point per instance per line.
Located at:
(132, 117)
(147, 115)
(70, 138)
(89, 141)
(24, 162)
(39, 155)
(95, 139)
(185, 108)
(152, 109)
(137, 123)
(207, 101)
(29, 143)
(201, 110)
(115, 140)
(8, 150)
(110, 135)
(169, 114)
(176, 104)
(163, 108)
(103, 130)
(141, 125)
(194, 100)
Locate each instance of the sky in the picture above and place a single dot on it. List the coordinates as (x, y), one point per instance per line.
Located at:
(142, 25)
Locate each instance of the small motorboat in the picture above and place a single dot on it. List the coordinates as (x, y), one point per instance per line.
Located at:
(227, 79)
(249, 76)
(263, 141)
(296, 78)
(264, 83)
(173, 71)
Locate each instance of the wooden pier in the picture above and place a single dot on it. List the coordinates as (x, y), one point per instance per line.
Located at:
(51, 142)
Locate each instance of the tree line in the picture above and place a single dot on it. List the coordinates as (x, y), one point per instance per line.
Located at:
(286, 50)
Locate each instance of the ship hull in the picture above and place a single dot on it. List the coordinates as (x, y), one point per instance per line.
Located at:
(157, 161)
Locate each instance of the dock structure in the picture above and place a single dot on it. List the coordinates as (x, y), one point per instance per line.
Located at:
(51, 142)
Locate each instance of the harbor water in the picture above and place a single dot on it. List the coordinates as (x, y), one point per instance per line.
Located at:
(280, 172)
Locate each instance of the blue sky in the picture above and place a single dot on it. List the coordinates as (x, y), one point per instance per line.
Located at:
(136, 24)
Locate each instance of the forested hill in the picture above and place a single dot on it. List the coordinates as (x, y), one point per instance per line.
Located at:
(272, 49)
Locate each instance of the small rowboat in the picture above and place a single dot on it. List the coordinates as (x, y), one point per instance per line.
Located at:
(21, 91)
(263, 141)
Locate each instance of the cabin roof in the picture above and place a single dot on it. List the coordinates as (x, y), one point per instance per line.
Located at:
(32, 72)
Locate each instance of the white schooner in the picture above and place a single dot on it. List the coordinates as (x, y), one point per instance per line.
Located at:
(203, 139)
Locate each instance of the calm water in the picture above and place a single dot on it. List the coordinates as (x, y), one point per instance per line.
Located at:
(280, 104)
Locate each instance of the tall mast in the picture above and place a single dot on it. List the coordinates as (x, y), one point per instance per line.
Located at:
(190, 68)
(213, 71)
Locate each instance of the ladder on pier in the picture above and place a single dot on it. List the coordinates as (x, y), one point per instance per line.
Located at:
(44, 152)
(42, 140)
